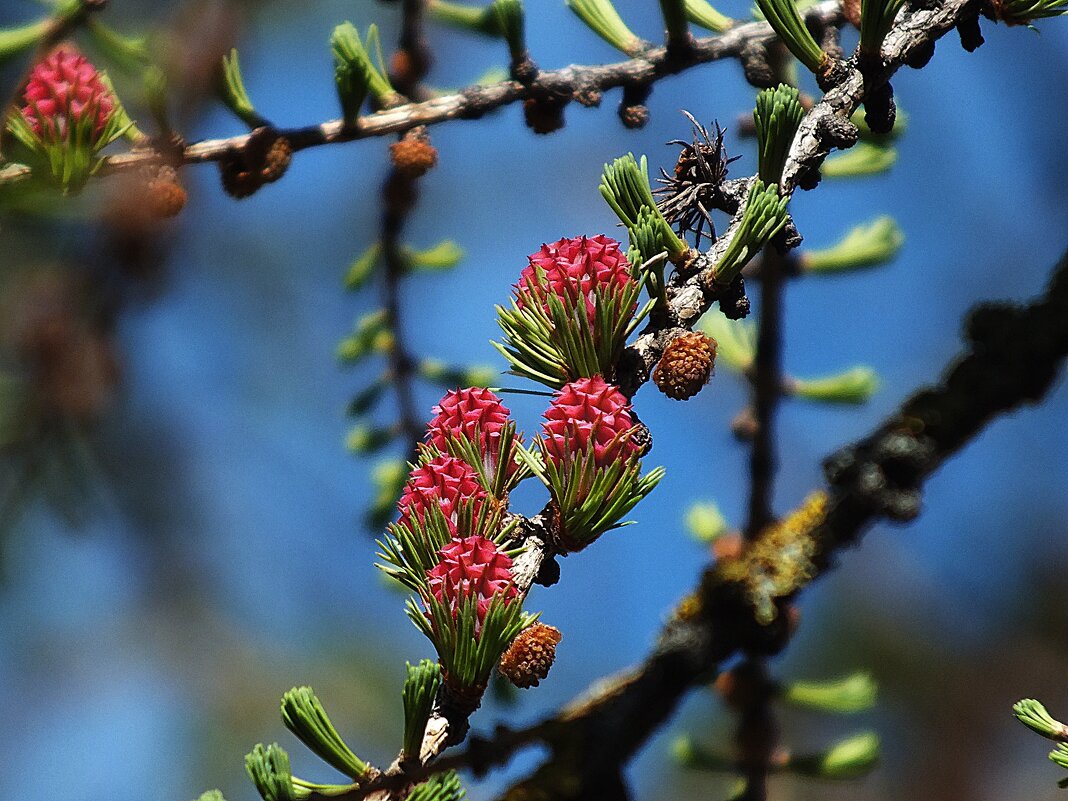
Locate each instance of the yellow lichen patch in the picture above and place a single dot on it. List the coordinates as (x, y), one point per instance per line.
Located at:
(689, 608)
(779, 560)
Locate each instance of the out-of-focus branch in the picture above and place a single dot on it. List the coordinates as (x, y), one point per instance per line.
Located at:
(401, 361)
(757, 732)
(400, 193)
(1014, 357)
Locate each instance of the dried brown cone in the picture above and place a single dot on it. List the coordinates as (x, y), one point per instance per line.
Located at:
(402, 67)
(686, 365)
(634, 116)
(414, 155)
(264, 159)
(544, 115)
(408, 66)
(531, 654)
(164, 194)
(695, 186)
(237, 179)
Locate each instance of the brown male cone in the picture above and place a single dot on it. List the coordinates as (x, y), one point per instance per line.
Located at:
(164, 195)
(531, 654)
(686, 365)
(414, 155)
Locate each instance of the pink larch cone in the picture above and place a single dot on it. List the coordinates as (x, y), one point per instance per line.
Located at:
(589, 410)
(443, 482)
(64, 89)
(575, 268)
(477, 414)
(472, 567)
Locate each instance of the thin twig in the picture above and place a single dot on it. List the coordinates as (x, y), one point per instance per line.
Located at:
(757, 727)
(401, 362)
(400, 194)
(767, 380)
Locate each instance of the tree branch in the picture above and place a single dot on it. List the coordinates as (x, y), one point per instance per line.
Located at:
(579, 82)
(910, 41)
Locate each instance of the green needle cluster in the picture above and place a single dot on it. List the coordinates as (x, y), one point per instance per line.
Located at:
(234, 94)
(765, 215)
(420, 690)
(785, 19)
(468, 652)
(1034, 716)
(1024, 12)
(603, 19)
(777, 117)
(268, 767)
(355, 74)
(304, 715)
(864, 158)
(439, 787)
(501, 18)
(854, 693)
(853, 386)
(625, 187)
(850, 758)
(701, 12)
(866, 245)
(21, 38)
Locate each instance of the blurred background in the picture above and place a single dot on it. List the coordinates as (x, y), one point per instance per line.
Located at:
(183, 527)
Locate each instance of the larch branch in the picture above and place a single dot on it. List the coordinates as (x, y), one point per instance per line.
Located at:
(584, 83)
